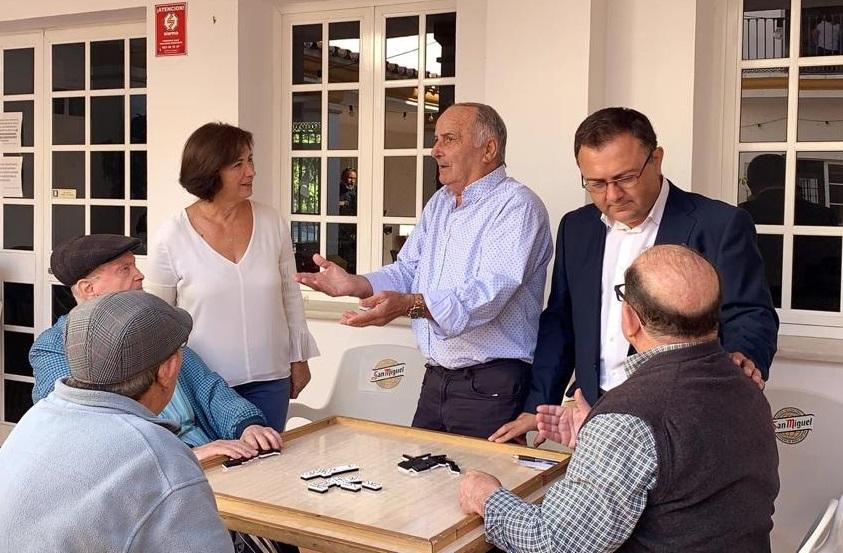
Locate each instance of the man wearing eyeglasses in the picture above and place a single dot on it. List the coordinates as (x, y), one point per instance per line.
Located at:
(635, 207)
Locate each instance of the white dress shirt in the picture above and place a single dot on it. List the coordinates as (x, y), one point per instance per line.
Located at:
(248, 317)
(623, 245)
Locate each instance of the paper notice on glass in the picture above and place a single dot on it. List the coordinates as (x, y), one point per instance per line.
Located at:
(10, 176)
(10, 126)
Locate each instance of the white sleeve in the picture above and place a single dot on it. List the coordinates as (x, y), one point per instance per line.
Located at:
(302, 344)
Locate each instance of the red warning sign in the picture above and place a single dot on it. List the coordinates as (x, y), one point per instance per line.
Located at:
(171, 29)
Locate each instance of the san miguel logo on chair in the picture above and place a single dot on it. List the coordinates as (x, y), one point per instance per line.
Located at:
(792, 425)
(387, 373)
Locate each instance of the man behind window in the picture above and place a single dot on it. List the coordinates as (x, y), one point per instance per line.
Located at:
(680, 457)
(92, 467)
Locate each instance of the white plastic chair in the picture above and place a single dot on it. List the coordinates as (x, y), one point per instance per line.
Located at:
(357, 392)
(818, 535)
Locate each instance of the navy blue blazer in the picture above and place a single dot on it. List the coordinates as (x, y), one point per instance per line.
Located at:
(569, 328)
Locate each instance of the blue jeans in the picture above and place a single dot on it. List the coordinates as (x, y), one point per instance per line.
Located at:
(271, 397)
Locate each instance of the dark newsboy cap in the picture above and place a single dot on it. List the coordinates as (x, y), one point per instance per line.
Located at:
(79, 256)
(114, 337)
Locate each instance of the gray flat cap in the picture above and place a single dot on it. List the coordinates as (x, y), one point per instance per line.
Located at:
(79, 256)
(115, 337)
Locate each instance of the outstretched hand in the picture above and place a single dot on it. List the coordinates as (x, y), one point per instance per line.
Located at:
(334, 281)
(561, 423)
(515, 430)
(749, 369)
(380, 309)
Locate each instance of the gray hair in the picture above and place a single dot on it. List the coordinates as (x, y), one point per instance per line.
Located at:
(488, 125)
(133, 388)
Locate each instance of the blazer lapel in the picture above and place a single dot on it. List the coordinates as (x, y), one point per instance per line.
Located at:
(677, 220)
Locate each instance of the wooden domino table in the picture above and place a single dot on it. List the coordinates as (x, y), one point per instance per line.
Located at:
(412, 513)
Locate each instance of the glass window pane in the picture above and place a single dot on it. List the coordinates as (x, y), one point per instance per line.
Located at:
(343, 117)
(400, 125)
(19, 71)
(63, 301)
(306, 181)
(68, 222)
(107, 120)
(108, 175)
(402, 48)
(28, 124)
(770, 246)
(819, 185)
(137, 227)
(761, 190)
(69, 66)
(68, 120)
(305, 244)
(68, 174)
(430, 179)
(137, 62)
(766, 29)
(344, 53)
(27, 175)
(764, 105)
(307, 121)
(137, 121)
(16, 352)
(341, 245)
(137, 170)
(307, 54)
(342, 186)
(394, 237)
(399, 186)
(18, 399)
(18, 227)
(108, 219)
(436, 100)
(441, 44)
(820, 27)
(816, 272)
(18, 306)
(820, 99)
(107, 64)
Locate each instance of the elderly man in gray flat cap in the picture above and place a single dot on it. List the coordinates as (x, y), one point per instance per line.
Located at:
(92, 467)
(213, 419)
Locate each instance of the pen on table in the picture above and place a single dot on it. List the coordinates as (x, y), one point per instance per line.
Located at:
(534, 459)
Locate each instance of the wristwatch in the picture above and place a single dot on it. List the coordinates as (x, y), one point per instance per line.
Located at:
(418, 309)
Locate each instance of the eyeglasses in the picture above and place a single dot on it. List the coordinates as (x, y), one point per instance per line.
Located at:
(619, 291)
(619, 294)
(597, 185)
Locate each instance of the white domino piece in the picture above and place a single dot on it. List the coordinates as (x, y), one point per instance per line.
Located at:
(343, 469)
(370, 485)
(350, 487)
(318, 488)
(309, 475)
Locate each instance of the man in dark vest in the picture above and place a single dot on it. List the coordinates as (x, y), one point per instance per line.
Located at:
(680, 457)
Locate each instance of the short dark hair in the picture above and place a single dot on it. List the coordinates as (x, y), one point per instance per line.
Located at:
(765, 171)
(210, 148)
(346, 171)
(662, 320)
(608, 123)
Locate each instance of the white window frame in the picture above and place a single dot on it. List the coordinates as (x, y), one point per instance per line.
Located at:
(371, 152)
(794, 322)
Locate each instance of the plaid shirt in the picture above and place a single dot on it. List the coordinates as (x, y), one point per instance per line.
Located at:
(597, 504)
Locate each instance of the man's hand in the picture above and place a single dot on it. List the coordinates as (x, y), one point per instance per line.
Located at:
(383, 308)
(299, 377)
(561, 423)
(261, 437)
(236, 449)
(749, 368)
(334, 281)
(475, 489)
(516, 429)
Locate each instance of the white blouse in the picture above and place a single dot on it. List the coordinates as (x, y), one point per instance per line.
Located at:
(248, 317)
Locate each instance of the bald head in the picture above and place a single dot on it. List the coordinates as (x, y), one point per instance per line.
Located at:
(675, 292)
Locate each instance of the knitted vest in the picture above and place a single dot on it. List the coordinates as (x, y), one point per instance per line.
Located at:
(717, 457)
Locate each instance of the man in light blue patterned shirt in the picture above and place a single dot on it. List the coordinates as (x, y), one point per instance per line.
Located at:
(471, 276)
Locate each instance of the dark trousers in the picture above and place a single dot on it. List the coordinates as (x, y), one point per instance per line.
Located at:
(472, 401)
(271, 397)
